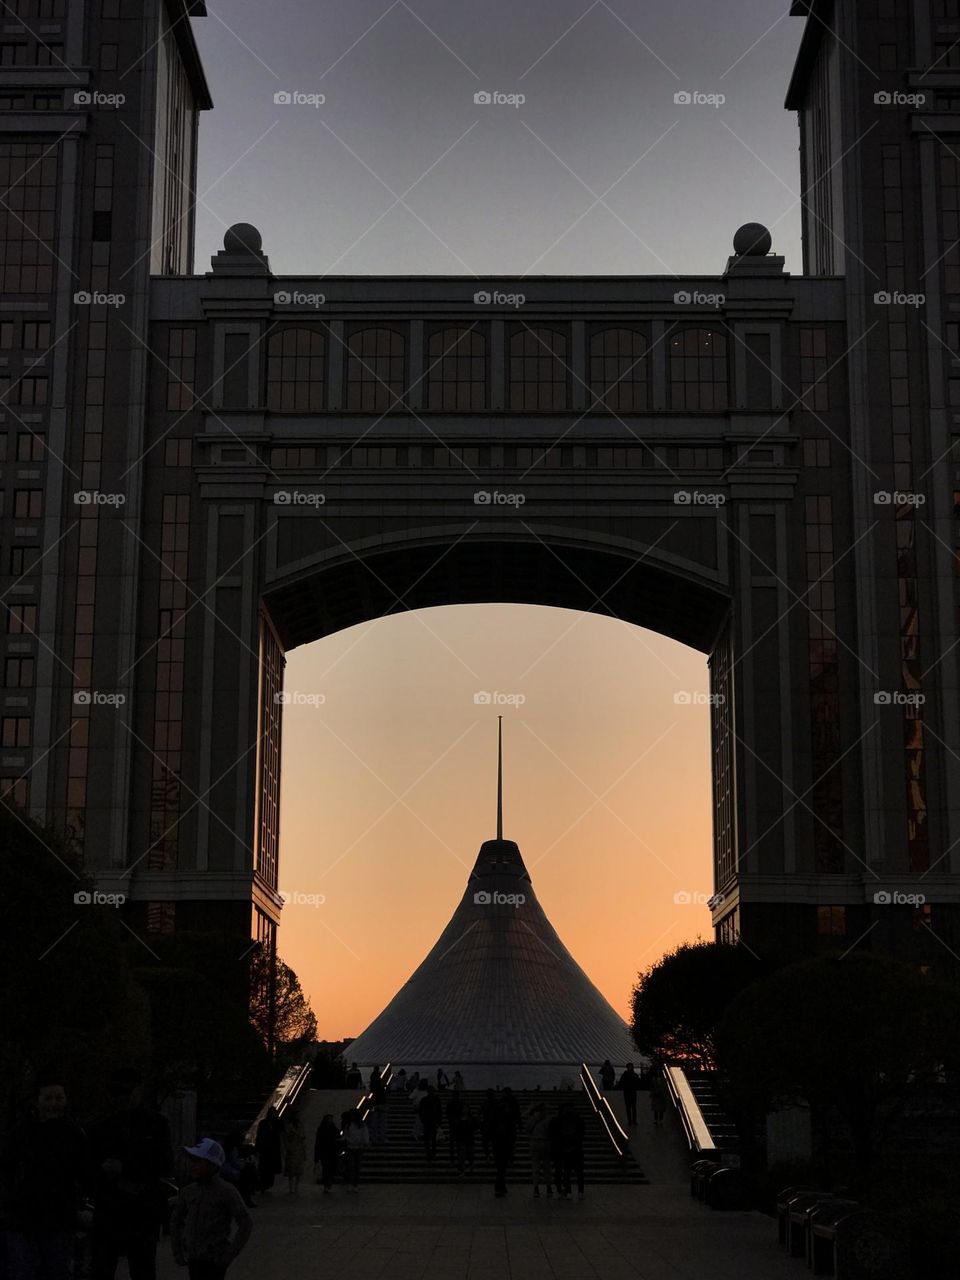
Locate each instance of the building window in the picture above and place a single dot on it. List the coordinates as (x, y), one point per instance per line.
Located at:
(28, 178)
(27, 504)
(30, 446)
(295, 370)
(538, 372)
(698, 370)
(816, 453)
(21, 619)
(23, 560)
(946, 55)
(181, 368)
(15, 731)
(831, 921)
(375, 370)
(36, 335)
(618, 370)
(457, 373)
(18, 673)
(814, 392)
(14, 791)
(33, 391)
(946, 8)
(178, 453)
(827, 793)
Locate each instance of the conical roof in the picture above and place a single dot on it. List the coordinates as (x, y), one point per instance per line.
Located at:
(498, 988)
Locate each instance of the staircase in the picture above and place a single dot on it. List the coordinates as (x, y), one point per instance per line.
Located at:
(403, 1159)
(722, 1129)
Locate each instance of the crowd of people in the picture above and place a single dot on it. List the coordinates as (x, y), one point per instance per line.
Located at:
(113, 1181)
(109, 1187)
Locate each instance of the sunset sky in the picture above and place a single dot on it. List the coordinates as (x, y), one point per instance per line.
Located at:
(599, 171)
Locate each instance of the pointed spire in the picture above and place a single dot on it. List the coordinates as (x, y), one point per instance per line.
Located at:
(499, 777)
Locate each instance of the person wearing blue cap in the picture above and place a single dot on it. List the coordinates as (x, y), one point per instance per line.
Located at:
(204, 1217)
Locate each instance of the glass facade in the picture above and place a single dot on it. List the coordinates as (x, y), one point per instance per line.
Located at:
(698, 371)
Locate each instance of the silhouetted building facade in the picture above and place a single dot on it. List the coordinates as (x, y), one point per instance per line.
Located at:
(201, 472)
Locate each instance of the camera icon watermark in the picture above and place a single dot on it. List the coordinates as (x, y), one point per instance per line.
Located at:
(494, 498)
(896, 898)
(297, 898)
(696, 898)
(484, 698)
(685, 298)
(94, 498)
(897, 698)
(494, 98)
(896, 298)
(86, 898)
(298, 498)
(495, 898)
(897, 498)
(297, 298)
(97, 698)
(495, 298)
(697, 498)
(695, 698)
(295, 98)
(296, 698)
(694, 98)
(896, 98)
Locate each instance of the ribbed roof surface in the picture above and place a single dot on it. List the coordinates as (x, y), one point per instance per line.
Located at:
(498, 987)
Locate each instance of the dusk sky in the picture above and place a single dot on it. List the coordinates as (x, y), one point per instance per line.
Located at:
(598, 171)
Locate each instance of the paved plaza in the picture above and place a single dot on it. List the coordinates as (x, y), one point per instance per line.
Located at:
(653, 1232)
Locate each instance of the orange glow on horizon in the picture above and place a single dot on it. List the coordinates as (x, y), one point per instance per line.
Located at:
(389, 789)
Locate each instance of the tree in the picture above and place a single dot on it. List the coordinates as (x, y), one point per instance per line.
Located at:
(853, 1033)
(279, 1010)
(678, 1002)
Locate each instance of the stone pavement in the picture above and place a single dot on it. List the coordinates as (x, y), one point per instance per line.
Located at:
(455, 1232)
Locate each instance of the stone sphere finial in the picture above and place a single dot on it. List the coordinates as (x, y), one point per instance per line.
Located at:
(242, 237)
(752, 241)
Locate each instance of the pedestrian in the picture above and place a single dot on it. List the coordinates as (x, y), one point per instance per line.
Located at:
(458, 1082)
(452, 1119)
(269, 1148)
(327, 1146)
(607, 1076)
(658, 1097)
(630, 1082)
(210, 1224)
(443, 1080)
(294, 1145)
(400, 1080)
(354, 1077)
(240, 1166)
(570, 1134)
(487, 1111)
(430, 1112)
(131, 1156)
(538, 1128)
(503, 1138)
(466, 1136)
(44, 1176)
(413, 1081)
(377, 1117)
(356, 1139)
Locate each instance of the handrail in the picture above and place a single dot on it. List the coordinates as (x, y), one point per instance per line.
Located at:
(618, 1138)
(699, 1137)
(365, 1105)
(284, 1095)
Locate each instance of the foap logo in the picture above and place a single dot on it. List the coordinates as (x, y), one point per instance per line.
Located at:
(295, 698)
(296, 98)
(94, 898)
(97, 698)
(94, 498)
(696, 898)
(896, 498)
(486, 699)
(696, 498)
(297, 498)
(696, 299)
(694, 98)
(895, 298)
(494, 498)
(87, 298)
(895, 98)
(486, 898)
(297, 898)
(897, 698)
(298, 299)
(694, 698)
(94, 98)
(895, 898)
(494, 298)
(494, 98)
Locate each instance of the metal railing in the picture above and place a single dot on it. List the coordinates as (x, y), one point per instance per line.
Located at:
(365, 1105)
(618, 1138)
(699, 1137)
(284, 1095)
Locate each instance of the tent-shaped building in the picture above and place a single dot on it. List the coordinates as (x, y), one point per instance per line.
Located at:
(499, 996)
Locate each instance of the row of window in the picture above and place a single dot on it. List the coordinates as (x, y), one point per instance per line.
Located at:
(29, 446)
(457, 373)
